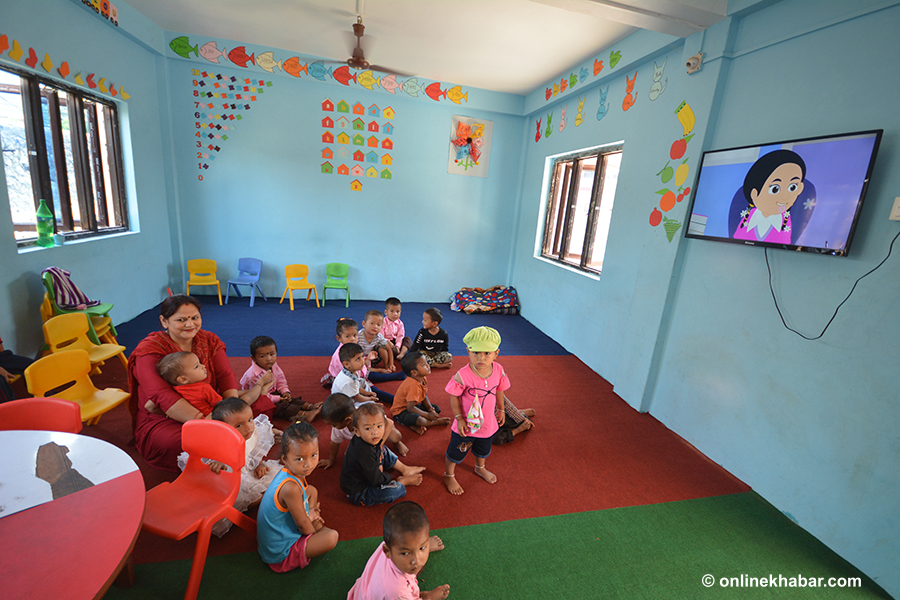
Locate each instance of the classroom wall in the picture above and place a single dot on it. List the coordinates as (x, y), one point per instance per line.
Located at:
(129, 270)
(688, 331)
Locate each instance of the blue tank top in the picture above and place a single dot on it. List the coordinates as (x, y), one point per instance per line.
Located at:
(276, 530)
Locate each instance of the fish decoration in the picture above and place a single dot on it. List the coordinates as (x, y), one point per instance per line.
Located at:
(342, 75)
(64, 69)
(267, 62)
(182, 47)
(549, 129)
(573, 79)
(101, 85)
(584, 73)
(16, 52)
(434, 91)
(456, 94)
(389, 83)
(239, 57)
(211, 52)
(47, 64)
(125, 96)
(562, 85)
(318, 70)
(293, 67)
(579, 118)
(549, 93)
(537, 136)
(31, 61)
(614, 58)
(367, 79)
(4, 43)
(604, 105)
(90, 81)
(598, 66)
(555, 89)
(112, 90)
(79, 80)
(562, 118)
(411, 86)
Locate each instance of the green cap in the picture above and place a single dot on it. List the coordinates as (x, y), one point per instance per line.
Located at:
(482, 339)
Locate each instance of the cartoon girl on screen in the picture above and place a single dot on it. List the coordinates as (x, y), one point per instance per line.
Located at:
(772, 186)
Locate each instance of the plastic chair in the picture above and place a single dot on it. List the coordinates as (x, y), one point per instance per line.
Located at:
(64, 333)
(99, 315)
(65, 375)
(248, 274)
(336, 279)
(45, 414)
(202, 271)
(296, 276)
(198, 498)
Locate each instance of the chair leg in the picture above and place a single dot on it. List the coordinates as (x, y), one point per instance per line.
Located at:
(241, 520)
(347, 301)
(252, 295)
(200, 551)
(219, 291)
(317, 297)
(283, 294)
(259, 289)
(123, 359)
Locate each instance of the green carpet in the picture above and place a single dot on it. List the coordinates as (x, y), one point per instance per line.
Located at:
(655, 551)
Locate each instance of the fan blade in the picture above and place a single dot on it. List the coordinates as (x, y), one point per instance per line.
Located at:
(389, 71)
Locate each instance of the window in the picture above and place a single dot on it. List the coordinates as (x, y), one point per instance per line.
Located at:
(60, 144)
(579, 208)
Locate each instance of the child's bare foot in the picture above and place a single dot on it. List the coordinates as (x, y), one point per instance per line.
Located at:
(528, 412)
(435, 543)
(402, 449)
(525, 426)
(452, 485)
(441, 366)
(485, 474)
(438, 593)
(379, 370)
(408, 480)
(419, 430)
(311, 414)
(441, 421)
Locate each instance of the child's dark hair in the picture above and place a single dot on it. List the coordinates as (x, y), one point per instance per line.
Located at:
(392, 302)
(372, 313)
(408, 363)
(228, 406)
(337, 407)
(763, 168)
(169, 366)
(261, 341)
(403, 519)
(435, 315)
(298, 432)
(348, 351)
(345, 323)
(366, 408)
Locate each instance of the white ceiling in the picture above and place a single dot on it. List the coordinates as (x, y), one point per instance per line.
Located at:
(510, 46)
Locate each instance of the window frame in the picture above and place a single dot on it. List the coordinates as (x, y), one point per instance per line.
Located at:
(90, 163)
(560, 205)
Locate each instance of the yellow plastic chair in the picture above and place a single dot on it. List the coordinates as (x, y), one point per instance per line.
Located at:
(65, 375)
(336, 279)
(99, 314)
(296, 276)
(203, 272)
(64, 333)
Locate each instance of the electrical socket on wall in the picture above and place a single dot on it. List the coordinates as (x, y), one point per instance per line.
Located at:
(895, 211)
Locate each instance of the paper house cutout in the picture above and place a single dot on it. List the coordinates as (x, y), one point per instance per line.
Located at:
(327, 105)
(374, 111)
(372, 156)
(343, 138)
(327, 167)
(359, 124)
(343, 122)
(358, 155)
(343, 107)
(343, 153)
(359, 109)
(372, 172)
(356, 186)
(387, 144)
(357, 170)
(328, 137)
(327, 153)
(387, 128)
(358, 140)
(385, 173)
(372, 142)
(327, 122)
(387, 160)
(343, 170)
(388, 113)
(373, 127)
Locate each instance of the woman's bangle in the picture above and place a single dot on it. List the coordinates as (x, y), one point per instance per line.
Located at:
(458, 417)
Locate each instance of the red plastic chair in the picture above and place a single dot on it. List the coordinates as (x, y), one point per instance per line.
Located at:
(199, 498)
(47, 414)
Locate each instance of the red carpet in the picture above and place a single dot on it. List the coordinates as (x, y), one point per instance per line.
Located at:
(589, 450)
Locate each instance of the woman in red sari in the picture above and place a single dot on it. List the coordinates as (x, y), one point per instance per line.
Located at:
(157, 432)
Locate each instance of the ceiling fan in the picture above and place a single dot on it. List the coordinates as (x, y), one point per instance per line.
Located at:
(358, 58)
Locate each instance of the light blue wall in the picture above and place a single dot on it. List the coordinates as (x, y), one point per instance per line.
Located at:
(688, 330)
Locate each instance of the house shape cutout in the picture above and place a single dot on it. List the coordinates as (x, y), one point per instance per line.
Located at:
(372, 156)
(387, 128)
(388, 113)
(372, 172)
(343, 107)
(374, 111)
(359, 124)
(387, 160)
(358, 155)
(357, 170)
(327, 167)
(356, 186)
(358, 140)
(327, 105)
(343, 170)
(343, 138)
(343, 122)
(385, 173)
(342, 153)
(373, 142)
(387, 144)
(327, 122)
(359, 109)
(327, 153)
(328, 137)
(373, 127)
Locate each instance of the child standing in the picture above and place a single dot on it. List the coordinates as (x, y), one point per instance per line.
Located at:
(393, 568)
(432, 341)
(290, 529)
(476, 397)
(393, 329)
(411, 405)
(371, 340)
(364, 476)
(264, 354)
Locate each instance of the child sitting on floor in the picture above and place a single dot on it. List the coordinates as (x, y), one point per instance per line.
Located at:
(476, 397)
(411, 405)
(289, 527)
(184, 372)
(392, 569)
(347, 332)
(371, 340)
(393, 329)
(364, 476)
(337, 412)
(432, 341)
(264, 354)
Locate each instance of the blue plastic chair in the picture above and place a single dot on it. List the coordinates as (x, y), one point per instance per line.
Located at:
(248, 274)
(336, 279)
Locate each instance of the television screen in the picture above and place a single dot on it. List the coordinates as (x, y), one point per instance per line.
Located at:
(798, 194)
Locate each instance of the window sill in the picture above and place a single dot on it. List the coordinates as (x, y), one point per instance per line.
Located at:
(570, 268)
(30, 246)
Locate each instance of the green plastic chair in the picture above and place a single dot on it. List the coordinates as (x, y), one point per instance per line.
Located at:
(336, 279)
(101, 310)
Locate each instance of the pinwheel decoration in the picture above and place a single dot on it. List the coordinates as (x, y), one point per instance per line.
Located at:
(468, 142)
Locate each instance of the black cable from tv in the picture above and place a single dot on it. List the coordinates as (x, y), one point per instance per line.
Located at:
(775, 300)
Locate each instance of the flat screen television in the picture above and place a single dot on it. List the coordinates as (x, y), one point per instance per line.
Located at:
(803, 194)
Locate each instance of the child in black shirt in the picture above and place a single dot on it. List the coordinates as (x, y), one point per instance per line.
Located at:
(432, 341)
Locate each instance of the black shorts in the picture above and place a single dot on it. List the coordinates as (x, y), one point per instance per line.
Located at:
(460, 446)
(410, 418)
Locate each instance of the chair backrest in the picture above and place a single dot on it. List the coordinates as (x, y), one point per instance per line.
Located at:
(296, 271)
(202, 269)
(61, 375)
(337, 270)
(47, 414)
(62, 290)
(205, 438)
(251, 267)
(67, 332)
(46, 309)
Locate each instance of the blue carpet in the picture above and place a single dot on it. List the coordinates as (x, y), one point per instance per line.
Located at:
(308, 331)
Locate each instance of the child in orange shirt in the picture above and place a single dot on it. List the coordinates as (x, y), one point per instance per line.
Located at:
(411, 405)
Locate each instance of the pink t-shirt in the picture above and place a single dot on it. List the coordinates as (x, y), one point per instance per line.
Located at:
(393, 331)
(255, 371)
(486, 389)
(335, 366)
(382, 580)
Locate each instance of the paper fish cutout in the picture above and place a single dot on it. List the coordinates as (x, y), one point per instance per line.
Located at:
(343, 75)
(112, 90)
(16, 52)
(584, 73)
(629, 100)
(604, 105)
(182, 47)
(90, 81)
(126, 96)
(549, 93)
(318, 70)
(549, 129)
(411, 86)
(102, 87)
(555, 89)
(78, 79)
(4, 43)
(239, 57)
(434, 91)
(579, 118)
(562, 85)
(598, 66)
(455, 94)
(64, 69)
(266, 61)
(573, 79)
(389, 83)
(31, 61)
(367, 79)
(562, 118)
(293, 67)
(211, 52)
(47, 64)
(537, 136)
(614, 58)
